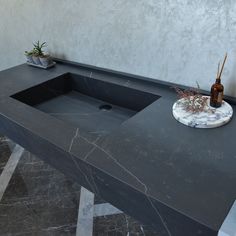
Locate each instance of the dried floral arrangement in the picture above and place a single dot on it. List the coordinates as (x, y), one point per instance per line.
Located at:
(192, 100)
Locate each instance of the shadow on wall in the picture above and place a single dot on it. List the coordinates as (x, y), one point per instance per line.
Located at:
(58, 55)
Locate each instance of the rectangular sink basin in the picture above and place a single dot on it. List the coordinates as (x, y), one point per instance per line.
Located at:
(94, 105)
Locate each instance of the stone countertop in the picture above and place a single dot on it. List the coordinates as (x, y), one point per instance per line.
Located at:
(178, 179)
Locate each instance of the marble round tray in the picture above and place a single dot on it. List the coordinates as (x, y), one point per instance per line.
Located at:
(212, 118)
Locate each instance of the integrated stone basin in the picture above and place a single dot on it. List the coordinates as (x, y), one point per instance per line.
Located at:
(151, 167)
(96, 106)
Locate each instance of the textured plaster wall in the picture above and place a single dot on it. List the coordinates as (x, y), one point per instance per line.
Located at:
(173, 40)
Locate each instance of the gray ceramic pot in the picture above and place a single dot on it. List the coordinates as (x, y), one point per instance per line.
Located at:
(29, 58)
(36, 60)
(45, 61)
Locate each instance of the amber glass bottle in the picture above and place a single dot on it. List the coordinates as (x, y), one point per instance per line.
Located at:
(217, 90)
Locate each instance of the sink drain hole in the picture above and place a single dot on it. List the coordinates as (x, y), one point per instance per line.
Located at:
(105, 107)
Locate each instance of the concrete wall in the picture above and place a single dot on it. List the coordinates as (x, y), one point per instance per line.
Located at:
(173, 40)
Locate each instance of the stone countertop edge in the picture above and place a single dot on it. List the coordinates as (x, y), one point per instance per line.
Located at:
(157, 147)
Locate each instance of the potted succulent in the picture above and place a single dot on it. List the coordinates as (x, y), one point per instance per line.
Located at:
(28, 55)
(38, 57)
(38, 52)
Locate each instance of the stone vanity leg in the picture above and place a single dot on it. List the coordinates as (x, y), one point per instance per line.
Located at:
(10, 166)
(228, 227)
(85, 215)
(87, 211)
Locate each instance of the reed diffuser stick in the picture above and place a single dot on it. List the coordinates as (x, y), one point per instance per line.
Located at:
(222, 66)
(218, 70)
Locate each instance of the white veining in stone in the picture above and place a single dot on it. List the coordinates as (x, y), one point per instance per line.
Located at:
(228, 227)
(211, 118)
(73, 139)
(93, 185)
(127, 226)
(141, 227)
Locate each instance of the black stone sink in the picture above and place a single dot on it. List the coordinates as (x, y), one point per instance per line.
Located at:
(94, 105)
(151, 167)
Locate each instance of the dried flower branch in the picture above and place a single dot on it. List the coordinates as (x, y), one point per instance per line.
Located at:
(192, 101)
